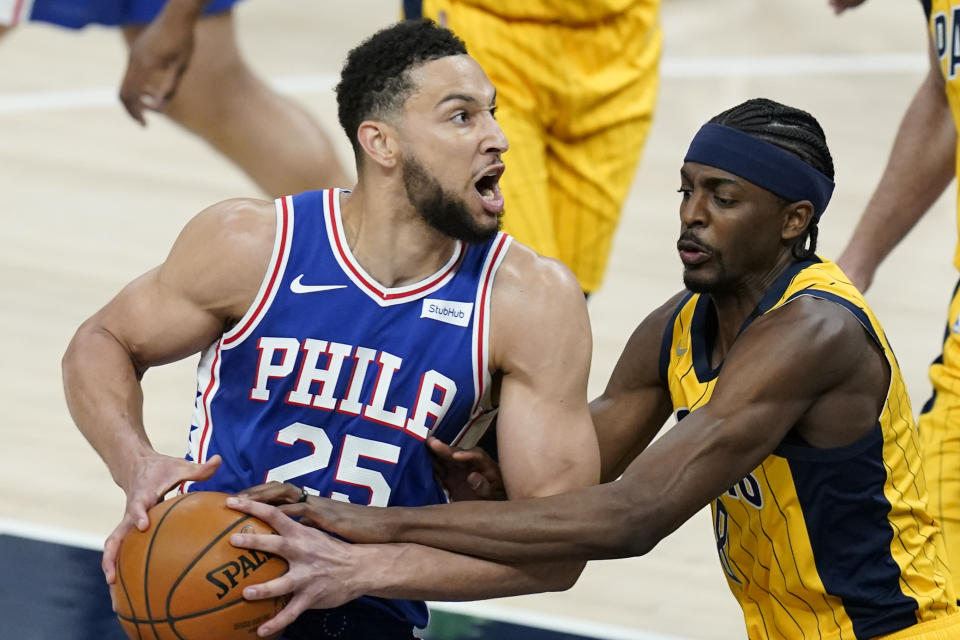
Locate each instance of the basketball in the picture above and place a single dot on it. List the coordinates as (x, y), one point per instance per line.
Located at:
(181, 579)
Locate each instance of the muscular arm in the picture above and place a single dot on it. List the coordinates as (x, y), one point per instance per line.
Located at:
(763, 391)
(920, 167)
(210, 276)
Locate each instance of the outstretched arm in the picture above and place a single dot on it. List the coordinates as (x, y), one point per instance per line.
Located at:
(172, 311)
(920, 167)
(762, 392)
(158, 58)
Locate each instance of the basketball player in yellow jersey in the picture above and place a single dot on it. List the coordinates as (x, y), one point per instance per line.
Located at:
(793, 424)
(922, 163)
(576, 85)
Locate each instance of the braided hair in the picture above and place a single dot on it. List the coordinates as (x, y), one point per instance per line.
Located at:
(793, 130)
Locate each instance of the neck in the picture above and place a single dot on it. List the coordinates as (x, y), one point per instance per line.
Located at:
(733, 307)
(389, 239)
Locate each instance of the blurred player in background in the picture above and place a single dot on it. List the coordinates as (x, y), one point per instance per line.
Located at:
(922, 164)
(184, 62)
(576, 86)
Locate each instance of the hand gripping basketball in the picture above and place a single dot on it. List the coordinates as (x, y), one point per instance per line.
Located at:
(181, 579)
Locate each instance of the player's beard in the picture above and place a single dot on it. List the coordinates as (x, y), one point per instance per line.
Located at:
(443, 211)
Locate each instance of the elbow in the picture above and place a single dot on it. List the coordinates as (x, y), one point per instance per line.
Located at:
(564, 576)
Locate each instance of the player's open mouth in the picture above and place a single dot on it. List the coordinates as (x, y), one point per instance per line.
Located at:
(692, 253)
(488, 186)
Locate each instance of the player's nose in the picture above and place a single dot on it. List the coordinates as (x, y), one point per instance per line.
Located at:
(494, 141)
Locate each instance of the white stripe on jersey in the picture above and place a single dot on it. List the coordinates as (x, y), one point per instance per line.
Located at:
(480, 352)
(271, 279)
(208, 383)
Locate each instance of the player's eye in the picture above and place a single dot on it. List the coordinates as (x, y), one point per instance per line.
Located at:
(461, 117)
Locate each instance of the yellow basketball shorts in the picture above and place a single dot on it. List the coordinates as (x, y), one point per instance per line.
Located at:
(575, 102)
(939, 426)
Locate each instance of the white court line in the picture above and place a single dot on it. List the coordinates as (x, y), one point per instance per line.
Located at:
(476, 609)
(671, 67)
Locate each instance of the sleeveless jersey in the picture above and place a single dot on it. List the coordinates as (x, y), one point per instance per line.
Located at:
(943, 18)
(333, 382)
(820, 543)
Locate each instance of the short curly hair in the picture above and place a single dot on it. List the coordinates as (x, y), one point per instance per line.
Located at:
(375, 81)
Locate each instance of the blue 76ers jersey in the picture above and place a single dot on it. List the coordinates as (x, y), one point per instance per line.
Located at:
(333, 382)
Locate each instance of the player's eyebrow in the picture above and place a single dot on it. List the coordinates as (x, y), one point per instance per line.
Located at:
(462, 97)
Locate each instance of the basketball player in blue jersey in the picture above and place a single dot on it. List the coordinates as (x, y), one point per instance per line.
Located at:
(338, 330)
(793, 425)
(185, 62)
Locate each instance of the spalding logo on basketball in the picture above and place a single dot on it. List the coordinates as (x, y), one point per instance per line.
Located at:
(181, 579)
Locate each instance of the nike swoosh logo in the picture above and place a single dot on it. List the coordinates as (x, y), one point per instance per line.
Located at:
(298, 287)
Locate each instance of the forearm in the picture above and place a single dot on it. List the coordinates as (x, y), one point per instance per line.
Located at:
(105, 399)
(415, 572)
(920, 167)
(588, 524)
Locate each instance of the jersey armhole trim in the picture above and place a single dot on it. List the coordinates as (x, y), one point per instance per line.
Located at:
(271, 279)
(667, 340)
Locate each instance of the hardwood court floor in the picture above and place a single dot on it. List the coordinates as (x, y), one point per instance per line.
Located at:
(90, 201)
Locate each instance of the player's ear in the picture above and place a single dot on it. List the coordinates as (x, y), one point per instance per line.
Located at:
(378, 140)
(796, 218)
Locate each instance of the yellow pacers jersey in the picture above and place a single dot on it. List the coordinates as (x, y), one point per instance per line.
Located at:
(820, 543)
(943, 17)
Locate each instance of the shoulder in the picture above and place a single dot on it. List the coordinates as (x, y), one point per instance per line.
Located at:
(808, 334)
(536, 305)
(231, 227)
(221, 255)
(639, 363)
(814, 320)
(235, 219)
(528, 276)
(653, 326)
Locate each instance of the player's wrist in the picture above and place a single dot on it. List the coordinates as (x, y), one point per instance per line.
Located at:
(366, 574)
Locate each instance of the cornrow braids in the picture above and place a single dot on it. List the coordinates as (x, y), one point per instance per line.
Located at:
(794, 131)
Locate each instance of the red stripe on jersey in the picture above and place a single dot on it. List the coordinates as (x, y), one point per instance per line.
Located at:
(17, 7)
(273, 278)
(481, 335)
(373, 287)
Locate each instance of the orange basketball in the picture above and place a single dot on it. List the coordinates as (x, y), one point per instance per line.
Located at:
(181, 579)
